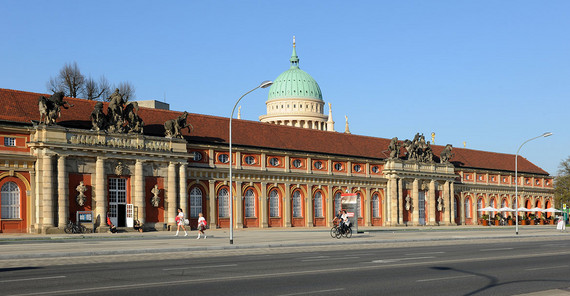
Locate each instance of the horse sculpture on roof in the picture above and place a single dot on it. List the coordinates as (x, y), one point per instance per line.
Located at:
(50, 108)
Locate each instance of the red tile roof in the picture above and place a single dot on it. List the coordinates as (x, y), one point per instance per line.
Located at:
(22, 107)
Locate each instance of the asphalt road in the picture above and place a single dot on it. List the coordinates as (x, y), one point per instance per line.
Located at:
(504, 268)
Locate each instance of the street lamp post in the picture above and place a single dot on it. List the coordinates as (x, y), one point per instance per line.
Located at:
(517, 180)
(264, 84)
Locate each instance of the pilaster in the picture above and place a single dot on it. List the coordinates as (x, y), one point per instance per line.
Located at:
(287, 207)
(238, 205)
(139, 202)
(48, 191)
(171, 202)
(432, 202)
(415, 202)
(183, 188)
(62, 192)
(100, 193)
(263, 204)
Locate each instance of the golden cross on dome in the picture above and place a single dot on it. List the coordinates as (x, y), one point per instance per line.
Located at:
(293, 40)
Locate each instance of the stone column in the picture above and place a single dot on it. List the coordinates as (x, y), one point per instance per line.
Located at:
(101, 193)
(139, 191)
(264, 213)
(432, 203)
(446, 204)
(451, 202)
(400, 201)
(287, 205)
(367, 208)
(462, 209)
(238, 205)
(171, 203)
(394, 201)
(48, 191)
(388, 204)
(38, 193)
(415, 203)
(62, 193)
(212, 198)
(330, 206)
(309, 210)
(183, 187)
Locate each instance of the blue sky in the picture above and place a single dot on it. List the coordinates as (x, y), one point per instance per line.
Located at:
(490, 73)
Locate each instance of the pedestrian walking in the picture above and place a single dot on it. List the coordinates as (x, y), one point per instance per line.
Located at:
(561, 224)
(180, 222)
(201, 225)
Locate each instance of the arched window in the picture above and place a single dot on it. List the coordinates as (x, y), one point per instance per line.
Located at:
(297, 209)
(223, 203)
(195, 202)
(337, 204)
(318, 204)
(273, 203)
(249, 203)
(10, 201)
(467, 208)
(375, 206)
(358, 212)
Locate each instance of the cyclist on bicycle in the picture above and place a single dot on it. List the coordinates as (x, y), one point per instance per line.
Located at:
(338, 218)
(343, 221)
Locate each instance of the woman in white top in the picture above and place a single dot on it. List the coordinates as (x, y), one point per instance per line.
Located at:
(180, 222)
(201, 225)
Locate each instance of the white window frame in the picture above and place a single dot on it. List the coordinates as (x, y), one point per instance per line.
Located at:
(318, 204)
(357, 168)
(249, 200)
(338, 166)
(467, 208)
(297, 163)
(9, 141)
(375, 205)
(195, 202)
(297, 204)
(274, 203)
(250, 160)
(274, 161)
(197, 156)
(223, 158)
(318, 165)
(10, 193)
(223, 203)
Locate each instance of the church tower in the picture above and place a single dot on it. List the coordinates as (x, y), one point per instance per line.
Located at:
(295, 99)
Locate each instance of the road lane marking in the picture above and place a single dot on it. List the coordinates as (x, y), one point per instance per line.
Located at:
(426, 253)
(325, 258)
(327, 271)
(34, 279)
(497, 249)
(313, 292)
(200, 267)
(542, 268)
(400, 259)
(445, 278)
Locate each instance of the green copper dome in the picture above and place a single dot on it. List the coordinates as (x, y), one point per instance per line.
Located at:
(294, 83)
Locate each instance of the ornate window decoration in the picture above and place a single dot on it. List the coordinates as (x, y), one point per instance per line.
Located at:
(223, 158)
(195, 202)
(318, 205)
(297, 205)
(274, 161)
(273, 203)
(197, 156)
(375, 205)
(375, 169)
(338, 166)
(297, 163)
(357, 168)
(249, 199)
(223, 203)
(10, 201)
(318, 165)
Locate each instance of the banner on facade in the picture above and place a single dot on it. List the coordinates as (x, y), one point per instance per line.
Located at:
(349, 203)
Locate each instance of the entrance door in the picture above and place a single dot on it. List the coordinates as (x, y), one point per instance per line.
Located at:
(422, 207)
(118, 201)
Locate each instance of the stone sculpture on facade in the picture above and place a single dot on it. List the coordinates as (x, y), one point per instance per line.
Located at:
(173, 127)
(394, 148)
(408, 203)
(418, 149)
(440, 205)
(155, 200)
(446, 154)
(50, 108)
(80, 199)
(120, 118)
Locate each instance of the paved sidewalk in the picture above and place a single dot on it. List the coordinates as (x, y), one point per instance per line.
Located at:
(20, 246)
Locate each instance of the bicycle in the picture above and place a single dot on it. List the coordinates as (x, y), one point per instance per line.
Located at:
(346, 232)
(334, 229)
(74, 228)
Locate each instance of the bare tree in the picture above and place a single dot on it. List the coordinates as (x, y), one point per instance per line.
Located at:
(562, 183)
(94, 90)
(69, 80)
(127, 90)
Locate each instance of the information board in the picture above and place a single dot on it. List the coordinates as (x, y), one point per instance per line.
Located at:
(349, 203)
